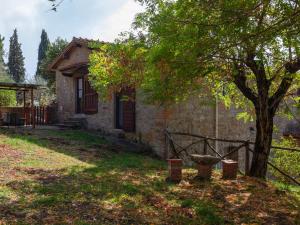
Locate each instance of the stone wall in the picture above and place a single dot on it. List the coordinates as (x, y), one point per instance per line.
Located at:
(198, 116)
(193, 116)
(150, 124)
(65, 92)
(65, 89)
(78, 55)
(104, 119)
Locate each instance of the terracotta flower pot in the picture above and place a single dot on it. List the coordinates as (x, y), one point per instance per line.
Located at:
(230, 169)
(175, 170)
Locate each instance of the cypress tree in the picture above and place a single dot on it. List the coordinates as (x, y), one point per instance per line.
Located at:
(15, 59)
(2, 64)
(1, 49)
(43, 47)
(7, 98)
(55, 48)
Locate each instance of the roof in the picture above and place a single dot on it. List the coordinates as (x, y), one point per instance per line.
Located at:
(76, 42)
(18, 87)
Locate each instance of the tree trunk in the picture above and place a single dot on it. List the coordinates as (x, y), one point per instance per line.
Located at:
(263, 141)
(265, 106)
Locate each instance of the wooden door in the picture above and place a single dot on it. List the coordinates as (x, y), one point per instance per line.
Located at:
(125, 110)
(79, 95)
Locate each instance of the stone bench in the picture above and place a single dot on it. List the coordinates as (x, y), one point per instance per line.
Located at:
(204, 165)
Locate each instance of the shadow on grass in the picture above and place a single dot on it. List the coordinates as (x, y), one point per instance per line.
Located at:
(118, 188)
(109, 192)
(84, 146)
(125, 188)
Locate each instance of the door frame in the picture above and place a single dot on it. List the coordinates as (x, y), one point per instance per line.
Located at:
(79, 109)
(118, 100)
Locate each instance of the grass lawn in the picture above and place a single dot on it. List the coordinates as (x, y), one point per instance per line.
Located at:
(75, 177)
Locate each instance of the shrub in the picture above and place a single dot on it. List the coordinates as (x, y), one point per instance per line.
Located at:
(7, 98)
(286, 160)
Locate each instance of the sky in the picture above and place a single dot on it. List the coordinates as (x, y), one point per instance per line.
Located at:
(94, 19)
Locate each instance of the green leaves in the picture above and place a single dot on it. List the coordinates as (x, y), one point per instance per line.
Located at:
(43, 48)
(182, 48)
(15, 63)
(53, 50)
(113, 66)
(7, 98)
(286, 160)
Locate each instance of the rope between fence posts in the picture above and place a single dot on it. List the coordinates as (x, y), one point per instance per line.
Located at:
(244, 144)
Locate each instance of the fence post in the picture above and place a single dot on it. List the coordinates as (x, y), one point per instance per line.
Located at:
(36, 114)
(44, 116)
(32, 109)
(24, 107)
(205, 147)
(41, 115)
(247, 158)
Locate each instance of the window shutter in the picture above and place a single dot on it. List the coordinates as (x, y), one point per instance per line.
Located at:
(90, 98)
(128, 109)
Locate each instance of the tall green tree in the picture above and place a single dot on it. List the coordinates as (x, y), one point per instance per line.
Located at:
(15, 59)
(53, 51)
(43, 47)
(250, 48)
(7, 98)
(2, 64)
(1, 49)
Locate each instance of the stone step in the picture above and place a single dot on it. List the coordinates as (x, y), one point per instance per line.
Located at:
(76, 119)
(67, 126)
(73, 123)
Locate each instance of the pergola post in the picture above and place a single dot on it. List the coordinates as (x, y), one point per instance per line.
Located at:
(32, 109)
(25, 88)
(24, 106)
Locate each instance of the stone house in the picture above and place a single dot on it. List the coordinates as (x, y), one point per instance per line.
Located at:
(140, 121)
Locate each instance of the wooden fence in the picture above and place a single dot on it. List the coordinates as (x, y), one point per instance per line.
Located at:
(178, 151)
(38, 116)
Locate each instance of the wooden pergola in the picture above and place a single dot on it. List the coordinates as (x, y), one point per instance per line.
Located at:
(22, 88)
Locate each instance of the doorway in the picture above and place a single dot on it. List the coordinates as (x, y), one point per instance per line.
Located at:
(125, 110)
(79, 95)
(119, 112)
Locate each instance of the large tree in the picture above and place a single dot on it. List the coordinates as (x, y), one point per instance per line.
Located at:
(43, 47)
(2, 64)
(15, 63)
(250, 48)
(7, 98)
(53, 51)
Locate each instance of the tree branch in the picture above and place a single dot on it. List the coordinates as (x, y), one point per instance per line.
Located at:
(240, 81)
(293, 67)
(55, 4)
(290, 69)
(281, 92)
(257, 68)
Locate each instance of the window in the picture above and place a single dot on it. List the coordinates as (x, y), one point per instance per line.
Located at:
(90, 98)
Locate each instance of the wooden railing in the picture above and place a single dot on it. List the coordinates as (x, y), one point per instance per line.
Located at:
(43, 115)
(178, 151)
